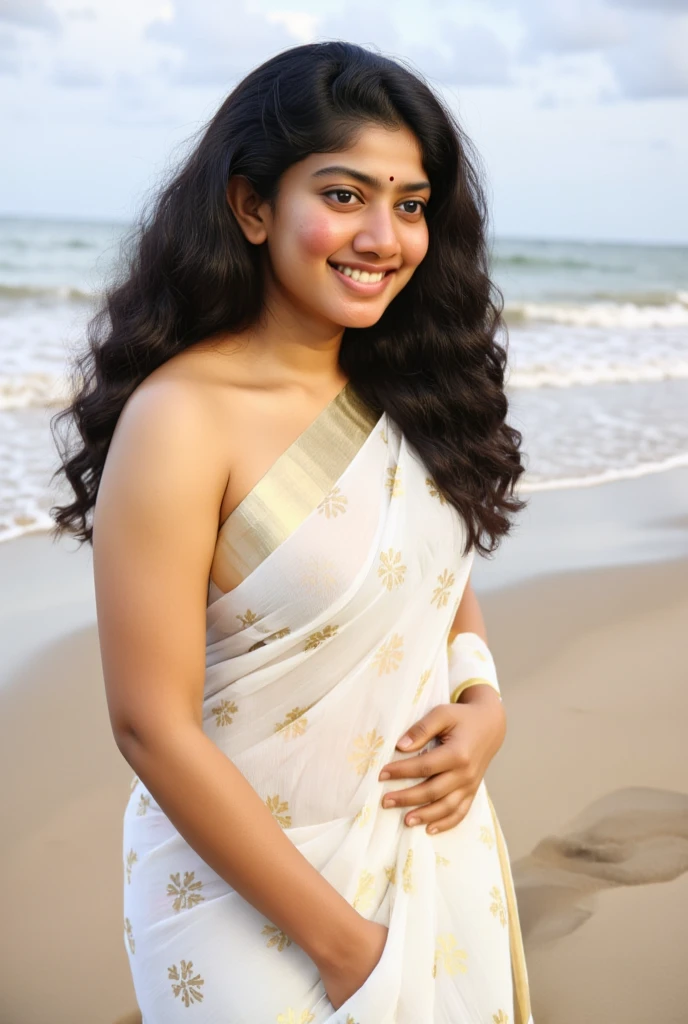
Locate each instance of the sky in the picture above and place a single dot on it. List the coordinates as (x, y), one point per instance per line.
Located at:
(578, 108)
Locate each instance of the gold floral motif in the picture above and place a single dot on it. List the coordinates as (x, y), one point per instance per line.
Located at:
(479, 655)
(132, 857)
(130, 935)
(394, 483)
(187, 893)
(500, 1017)
(390, 569)
(333, 504)
(294, 724)
(486, 836)
(363, 816)
(383, 435)
(133, 784)
(441, 594)
(350, 1020)
(365, 891)
(315, 639)
(407, 880)
(279, 808)
(189, 984)
(434, 490)
(441, 861)
(320, 576)
(223, 712)
(391, 873)
(449, 956)
(277, 937)
(290, 1017)
(144, 804)
(248, 618)
(277, 635)
(421, 685)
(366, 751)
(497, 908)
(389, 655)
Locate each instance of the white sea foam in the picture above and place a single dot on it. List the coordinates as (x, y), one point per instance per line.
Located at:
(526, 486)
(37, 390)
(553, 377)
(628, 315)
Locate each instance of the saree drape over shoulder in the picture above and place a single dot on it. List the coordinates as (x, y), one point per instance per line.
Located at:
(333, 588)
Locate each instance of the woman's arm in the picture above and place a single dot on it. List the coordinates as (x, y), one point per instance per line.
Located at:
(469, 616)
(469, 619)
(155, 528)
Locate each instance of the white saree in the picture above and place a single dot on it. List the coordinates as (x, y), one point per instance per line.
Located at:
(332, 591)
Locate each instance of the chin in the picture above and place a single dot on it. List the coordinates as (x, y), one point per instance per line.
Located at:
(360, 317)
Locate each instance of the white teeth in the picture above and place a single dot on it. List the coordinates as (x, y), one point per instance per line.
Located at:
(360, 275)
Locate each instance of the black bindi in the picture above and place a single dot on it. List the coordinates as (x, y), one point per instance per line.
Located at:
(392, 178)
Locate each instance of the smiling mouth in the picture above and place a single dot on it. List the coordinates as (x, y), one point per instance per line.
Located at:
(362, 276)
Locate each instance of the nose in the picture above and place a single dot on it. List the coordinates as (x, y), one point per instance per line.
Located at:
(379, 234)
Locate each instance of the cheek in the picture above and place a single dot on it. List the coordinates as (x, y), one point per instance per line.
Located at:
(316, 237)
(416, 248)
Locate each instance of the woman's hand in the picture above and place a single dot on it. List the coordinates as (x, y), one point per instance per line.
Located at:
(470, 733)
(351, 970)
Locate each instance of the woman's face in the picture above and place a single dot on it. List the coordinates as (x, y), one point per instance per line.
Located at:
(338, 213)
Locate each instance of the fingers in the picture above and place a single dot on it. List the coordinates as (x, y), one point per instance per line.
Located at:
(423, 765)
(425, 792)
(441, 815)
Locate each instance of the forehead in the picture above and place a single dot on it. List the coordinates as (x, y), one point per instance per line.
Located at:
(379, 151)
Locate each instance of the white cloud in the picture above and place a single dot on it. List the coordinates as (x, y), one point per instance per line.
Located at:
(654, 62)
(9, 54)
(29, 13)
(216, 43)
(670, 6)
(77, 75)
(559, 26)
(472, 56)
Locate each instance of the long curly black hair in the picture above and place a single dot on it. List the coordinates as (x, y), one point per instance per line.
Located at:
(432, 361)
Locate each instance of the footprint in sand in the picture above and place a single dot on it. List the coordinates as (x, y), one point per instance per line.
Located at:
(633, 836)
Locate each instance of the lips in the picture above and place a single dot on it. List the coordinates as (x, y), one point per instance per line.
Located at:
(362, 288)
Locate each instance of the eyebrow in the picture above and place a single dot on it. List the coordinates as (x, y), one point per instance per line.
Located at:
(368, 179)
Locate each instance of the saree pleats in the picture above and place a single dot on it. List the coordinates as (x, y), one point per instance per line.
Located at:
(333, 588)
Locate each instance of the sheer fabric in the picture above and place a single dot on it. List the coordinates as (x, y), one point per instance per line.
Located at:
(332, 591)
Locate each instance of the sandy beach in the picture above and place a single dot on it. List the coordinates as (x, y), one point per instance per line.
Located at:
(586, 606)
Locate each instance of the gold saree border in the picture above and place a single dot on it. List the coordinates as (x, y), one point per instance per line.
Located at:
(522, 1011)
(295, 484)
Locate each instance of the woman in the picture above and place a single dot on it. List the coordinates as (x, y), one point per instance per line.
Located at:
(294, 463)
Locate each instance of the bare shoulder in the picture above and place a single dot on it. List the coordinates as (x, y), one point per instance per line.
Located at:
(165, 473)
(154, 533)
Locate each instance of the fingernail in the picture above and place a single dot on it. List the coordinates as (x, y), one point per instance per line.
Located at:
(384, 775)
(412, 821)
(405, 741)
(388, 802)
(432, 831)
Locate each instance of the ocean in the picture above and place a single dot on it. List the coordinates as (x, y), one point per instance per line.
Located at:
(598, 355)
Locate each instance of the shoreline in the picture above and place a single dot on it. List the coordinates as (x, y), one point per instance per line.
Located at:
(43, 524)
(585, 605)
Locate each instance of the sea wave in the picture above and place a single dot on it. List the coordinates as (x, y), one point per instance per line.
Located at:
(22, 292)
(34, 390)
(629, 315)
(36, 519)
(553, 376)
(47, 390)
(559, 263)
(529, 486)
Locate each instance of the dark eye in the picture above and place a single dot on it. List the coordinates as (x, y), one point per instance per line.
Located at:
(340, 192)
(414, 202)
